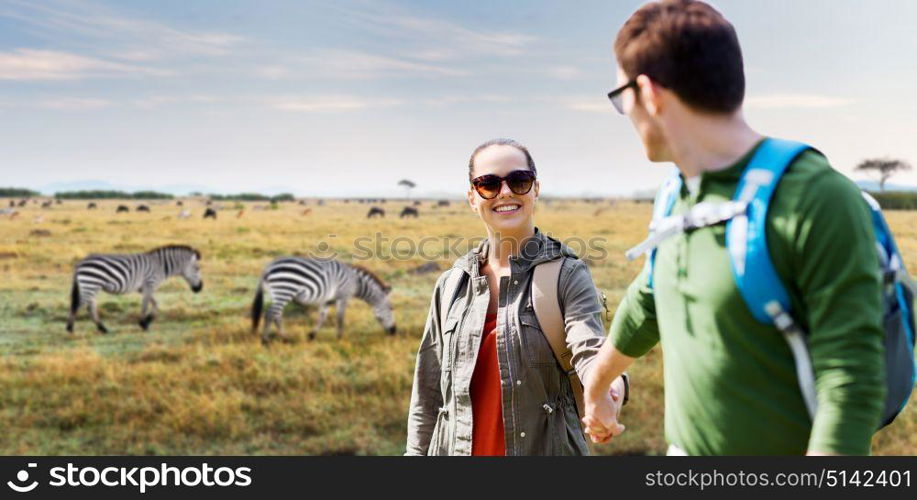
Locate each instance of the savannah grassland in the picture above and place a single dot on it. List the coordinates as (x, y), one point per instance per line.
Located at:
(199, 382)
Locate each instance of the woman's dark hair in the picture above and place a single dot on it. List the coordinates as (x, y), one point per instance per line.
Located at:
(501, 142)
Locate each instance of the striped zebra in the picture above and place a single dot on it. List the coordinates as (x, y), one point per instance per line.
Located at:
(140, 272)
(318, 282)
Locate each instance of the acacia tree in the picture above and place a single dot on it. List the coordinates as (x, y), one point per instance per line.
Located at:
(408, 186)
(884, 167)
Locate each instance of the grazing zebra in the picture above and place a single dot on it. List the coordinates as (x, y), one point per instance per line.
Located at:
(140, 272)
(318, 282)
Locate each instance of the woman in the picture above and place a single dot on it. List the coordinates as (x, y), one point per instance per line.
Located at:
(487, 381)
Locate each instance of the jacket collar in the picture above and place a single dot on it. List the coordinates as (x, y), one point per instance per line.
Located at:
(537, 249)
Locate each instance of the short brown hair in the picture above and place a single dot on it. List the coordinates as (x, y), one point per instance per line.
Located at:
(687, 47)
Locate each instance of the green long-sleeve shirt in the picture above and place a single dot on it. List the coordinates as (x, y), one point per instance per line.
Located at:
(730, 382)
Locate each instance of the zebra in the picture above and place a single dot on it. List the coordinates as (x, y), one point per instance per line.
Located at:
(318, 282)
(124, 273)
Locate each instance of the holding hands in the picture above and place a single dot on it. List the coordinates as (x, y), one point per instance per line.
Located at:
(603, 405)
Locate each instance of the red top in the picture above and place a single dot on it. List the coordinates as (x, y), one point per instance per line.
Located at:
(486, 397)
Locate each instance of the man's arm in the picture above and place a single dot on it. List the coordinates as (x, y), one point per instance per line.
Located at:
(602, 407)
(836, 270)
(633, 333)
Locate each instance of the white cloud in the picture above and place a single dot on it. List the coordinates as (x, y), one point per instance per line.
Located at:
(565, 72)
(274, 72)
(585, 104)
(74, 103)
(347, 64)
(799, 101)
(155, 101)
(329, 103)
(127, 38)
(441, 40)
(452, 100)
(31, 64)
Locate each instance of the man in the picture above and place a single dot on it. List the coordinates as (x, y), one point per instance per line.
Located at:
(730, 381)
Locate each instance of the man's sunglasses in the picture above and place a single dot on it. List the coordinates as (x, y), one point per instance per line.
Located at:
(489, 186)
(615, 95)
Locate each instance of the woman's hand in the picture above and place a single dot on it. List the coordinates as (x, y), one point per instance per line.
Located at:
(602, 409)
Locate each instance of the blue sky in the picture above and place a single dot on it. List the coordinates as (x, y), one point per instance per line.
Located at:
(348, 97)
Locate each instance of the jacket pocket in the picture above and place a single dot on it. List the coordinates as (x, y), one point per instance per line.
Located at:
(450, 329)
(566, 433)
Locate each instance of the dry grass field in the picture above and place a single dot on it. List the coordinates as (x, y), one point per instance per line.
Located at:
(200, 383)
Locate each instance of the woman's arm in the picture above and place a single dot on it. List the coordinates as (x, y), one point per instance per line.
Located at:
(582, 312)
(426, 398)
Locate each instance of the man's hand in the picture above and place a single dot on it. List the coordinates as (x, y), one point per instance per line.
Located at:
(601, 420)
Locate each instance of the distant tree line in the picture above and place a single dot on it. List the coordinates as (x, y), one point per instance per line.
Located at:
(11, 192)
(896, 200)
(109, 194)
(252, 197)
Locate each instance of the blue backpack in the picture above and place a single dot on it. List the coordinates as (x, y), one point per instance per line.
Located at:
(757, 279)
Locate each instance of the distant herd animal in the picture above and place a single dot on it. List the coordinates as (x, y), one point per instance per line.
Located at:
(124, 273)
(408, 212)
(210, 214)
(375, 211)
(318, 282)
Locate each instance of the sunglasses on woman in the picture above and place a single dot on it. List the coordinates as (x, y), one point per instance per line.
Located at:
(489, 186)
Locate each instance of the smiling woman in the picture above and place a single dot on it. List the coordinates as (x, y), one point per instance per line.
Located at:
(487, 381)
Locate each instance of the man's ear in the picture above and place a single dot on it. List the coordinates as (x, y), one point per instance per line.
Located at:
(650, 95)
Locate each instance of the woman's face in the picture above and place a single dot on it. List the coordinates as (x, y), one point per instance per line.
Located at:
(508, 212)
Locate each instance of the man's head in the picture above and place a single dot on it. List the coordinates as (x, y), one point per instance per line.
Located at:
(684, 58)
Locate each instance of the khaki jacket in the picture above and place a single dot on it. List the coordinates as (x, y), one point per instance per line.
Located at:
(539, 412)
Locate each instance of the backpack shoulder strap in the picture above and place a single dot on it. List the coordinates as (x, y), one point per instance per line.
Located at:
(662, 208)
(746, 240)
(755, 275)
(546, 302)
